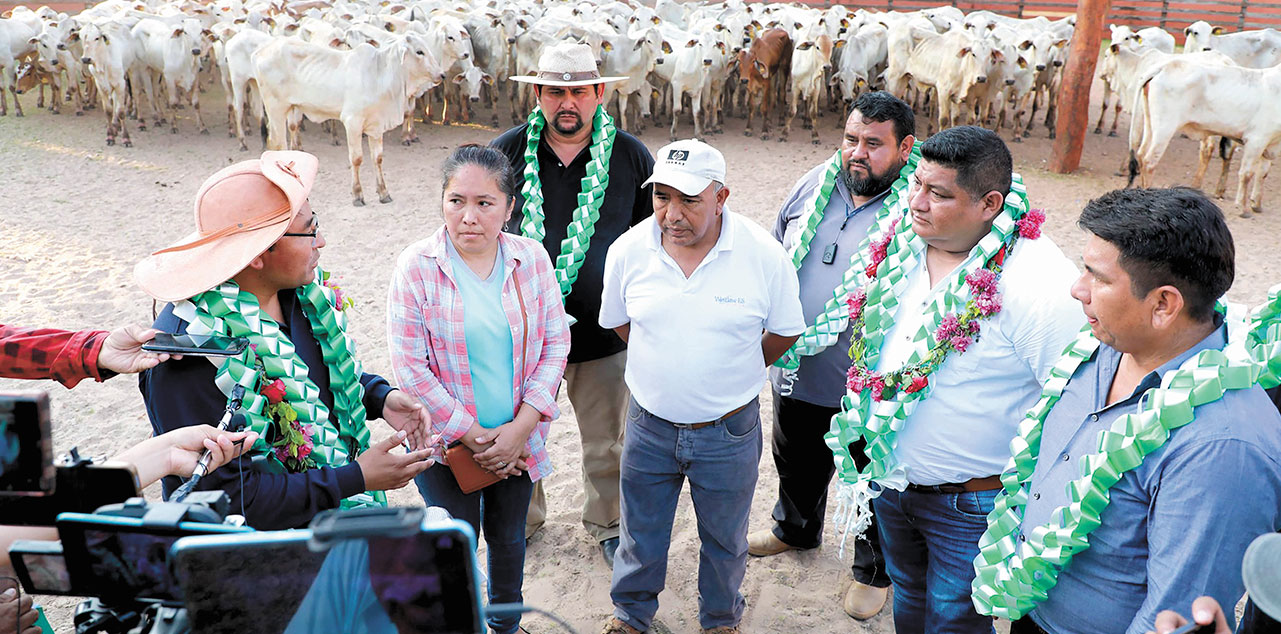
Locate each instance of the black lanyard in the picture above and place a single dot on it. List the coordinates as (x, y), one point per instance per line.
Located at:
(829, 252)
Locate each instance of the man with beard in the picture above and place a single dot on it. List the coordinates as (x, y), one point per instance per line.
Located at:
(581, 188)
(878, 140)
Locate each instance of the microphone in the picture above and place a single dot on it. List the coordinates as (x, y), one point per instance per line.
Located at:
(230, 420)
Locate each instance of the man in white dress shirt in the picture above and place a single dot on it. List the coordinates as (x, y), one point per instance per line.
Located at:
(706, 299)
(955, 443)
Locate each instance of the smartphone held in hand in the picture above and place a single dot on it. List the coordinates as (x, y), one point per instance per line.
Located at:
(197, 345)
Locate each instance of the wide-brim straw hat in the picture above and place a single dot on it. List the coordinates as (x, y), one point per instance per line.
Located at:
(240, 211)
(566, 64)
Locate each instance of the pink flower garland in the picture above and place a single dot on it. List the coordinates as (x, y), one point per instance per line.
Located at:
(955, 332)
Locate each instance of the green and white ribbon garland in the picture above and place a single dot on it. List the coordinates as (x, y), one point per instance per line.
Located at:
(582, 225)
(229, 311)
(880, 422)
(835, 318)
(1013, 577)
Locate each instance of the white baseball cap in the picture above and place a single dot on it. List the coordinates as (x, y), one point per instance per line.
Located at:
(689, 166)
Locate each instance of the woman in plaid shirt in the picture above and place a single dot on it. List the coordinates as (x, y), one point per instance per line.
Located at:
(478, 333)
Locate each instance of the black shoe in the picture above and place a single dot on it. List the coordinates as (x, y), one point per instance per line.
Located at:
(607, 550)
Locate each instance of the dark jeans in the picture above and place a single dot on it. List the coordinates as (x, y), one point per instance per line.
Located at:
(805, 468)
(1026, 625)
(720, 463)
(500, 508)
(930, 541)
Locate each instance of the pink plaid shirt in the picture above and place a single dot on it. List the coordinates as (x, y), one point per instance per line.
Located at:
(429, 351)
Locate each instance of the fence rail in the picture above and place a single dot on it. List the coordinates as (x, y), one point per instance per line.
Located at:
(1171, 15)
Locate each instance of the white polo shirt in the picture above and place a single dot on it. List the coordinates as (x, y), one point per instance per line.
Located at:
(694, 346)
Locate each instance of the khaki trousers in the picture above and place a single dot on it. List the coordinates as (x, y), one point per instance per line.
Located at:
(599, 396)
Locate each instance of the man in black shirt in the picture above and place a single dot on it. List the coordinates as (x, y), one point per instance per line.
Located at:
(580, 182)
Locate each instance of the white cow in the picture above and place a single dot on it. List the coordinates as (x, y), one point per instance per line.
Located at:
(952, 64)
(1133, 66)
(1150, 37)
(632, 56)
(904, 34)
(1048, 51)
(811, 60)
(111, 52)
(171, 50)
(56, 57)
(1189, 96)
(1117, 75)
(17, 35)
(242, 80)
(492, 36)
(861, 60)
(368, 89)
(1251, 49)
(685, 72)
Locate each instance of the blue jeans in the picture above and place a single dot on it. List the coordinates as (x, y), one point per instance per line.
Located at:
(721, 463)
(500, 508)
(930, 541)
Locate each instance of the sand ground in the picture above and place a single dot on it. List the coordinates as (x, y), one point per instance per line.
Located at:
(75, 215)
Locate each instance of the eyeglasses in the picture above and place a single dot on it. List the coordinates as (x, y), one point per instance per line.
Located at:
(315, 230)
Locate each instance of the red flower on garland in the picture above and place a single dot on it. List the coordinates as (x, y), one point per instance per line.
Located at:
(999, 258)
(918, 384)
(274, 392)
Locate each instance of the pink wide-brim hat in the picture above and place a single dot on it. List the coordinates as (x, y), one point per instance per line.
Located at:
(240, 211)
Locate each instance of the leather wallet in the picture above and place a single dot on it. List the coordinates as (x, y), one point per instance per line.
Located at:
(470, 475)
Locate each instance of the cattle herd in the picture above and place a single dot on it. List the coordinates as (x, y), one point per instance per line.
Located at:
(376, 65)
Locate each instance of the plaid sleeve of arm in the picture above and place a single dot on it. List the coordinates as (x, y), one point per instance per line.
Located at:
(542, 384)
(44, 353)
(409, 341)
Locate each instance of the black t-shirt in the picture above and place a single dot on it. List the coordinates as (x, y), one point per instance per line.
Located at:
(626, 204)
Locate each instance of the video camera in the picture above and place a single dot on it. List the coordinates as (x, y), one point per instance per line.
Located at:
(34, 488)
(177, 567)
(153, 570)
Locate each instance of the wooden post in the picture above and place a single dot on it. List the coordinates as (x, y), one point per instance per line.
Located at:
(1074, 94)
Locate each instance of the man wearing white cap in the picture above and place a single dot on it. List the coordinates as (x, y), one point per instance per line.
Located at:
(580, 183)
(692, 290)
(250, 270)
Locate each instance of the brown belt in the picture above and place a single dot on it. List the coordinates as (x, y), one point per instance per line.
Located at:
(990, 483)
(712, 422)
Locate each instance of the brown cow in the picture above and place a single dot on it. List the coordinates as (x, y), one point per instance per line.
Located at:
(765, 68)
(29, 75)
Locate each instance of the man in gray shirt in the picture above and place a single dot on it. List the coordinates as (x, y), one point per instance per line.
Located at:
(878, 140)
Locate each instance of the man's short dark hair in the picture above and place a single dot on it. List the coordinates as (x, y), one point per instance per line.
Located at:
(880, 105)
(980, 158)
(1174, 236)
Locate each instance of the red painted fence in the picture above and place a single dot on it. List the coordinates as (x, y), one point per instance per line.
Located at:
(1172, 15)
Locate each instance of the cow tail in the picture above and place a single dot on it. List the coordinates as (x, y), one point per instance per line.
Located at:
(1139, 117)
